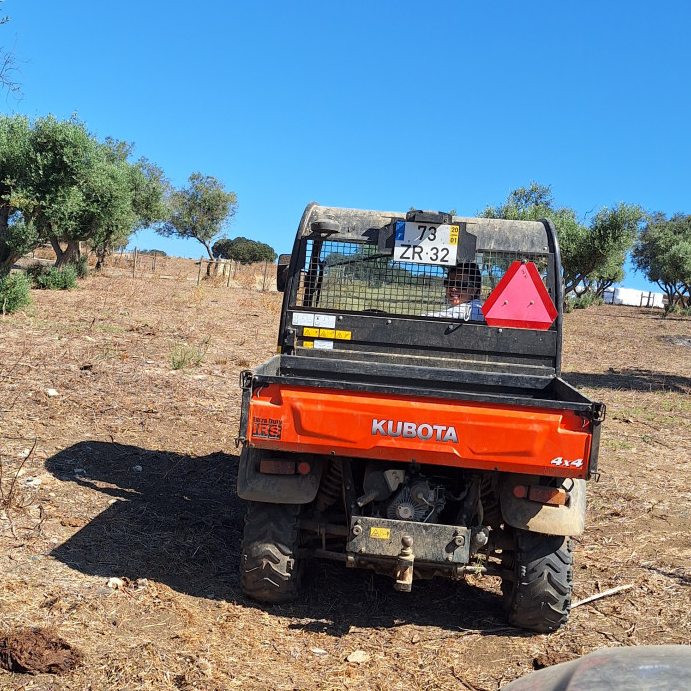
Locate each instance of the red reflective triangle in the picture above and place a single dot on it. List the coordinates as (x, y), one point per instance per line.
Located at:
(520, 300)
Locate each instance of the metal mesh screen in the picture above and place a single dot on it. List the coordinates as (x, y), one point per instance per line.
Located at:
(344, 276)
(493, 266)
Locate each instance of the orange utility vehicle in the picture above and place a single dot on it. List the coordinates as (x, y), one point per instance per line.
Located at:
(414, 420)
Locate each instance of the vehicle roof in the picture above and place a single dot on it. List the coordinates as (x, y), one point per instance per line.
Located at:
(492, 234)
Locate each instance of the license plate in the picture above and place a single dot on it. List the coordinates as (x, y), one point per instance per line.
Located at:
(425, 243)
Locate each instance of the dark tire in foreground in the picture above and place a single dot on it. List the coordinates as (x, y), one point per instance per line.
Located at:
(269, 568)
(537, 595)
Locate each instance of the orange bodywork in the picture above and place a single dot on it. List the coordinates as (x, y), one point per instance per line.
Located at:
(463, 434)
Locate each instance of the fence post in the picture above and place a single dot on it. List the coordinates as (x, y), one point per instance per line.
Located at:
(153, 267)
(134, 262)
(199, 275)
(266, 268)
(230, 269)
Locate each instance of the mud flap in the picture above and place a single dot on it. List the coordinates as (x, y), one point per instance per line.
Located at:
(524, 514)
(275, 489)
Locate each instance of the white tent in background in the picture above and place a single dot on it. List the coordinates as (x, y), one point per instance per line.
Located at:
(633, 298)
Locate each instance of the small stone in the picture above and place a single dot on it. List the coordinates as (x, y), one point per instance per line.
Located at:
(51, 393)
(358, 656)
(115, 583)
(137, 469)
(33, 482)
(112, 501)
(318, 651)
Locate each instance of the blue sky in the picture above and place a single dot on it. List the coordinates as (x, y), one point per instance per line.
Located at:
(383, 105)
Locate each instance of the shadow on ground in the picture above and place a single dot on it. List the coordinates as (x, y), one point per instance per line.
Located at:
(630, 380)
(178, 521)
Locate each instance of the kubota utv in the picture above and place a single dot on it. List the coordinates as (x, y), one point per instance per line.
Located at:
(394, 433)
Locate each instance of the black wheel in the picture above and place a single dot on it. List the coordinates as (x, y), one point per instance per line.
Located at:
(539, 582)
(269, 568)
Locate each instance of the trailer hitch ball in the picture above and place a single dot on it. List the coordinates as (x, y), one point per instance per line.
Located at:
(480, 538)
(404, 566)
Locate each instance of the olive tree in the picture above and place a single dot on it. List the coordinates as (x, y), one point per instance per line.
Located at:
(592, 255)
(18, 232)
(663, 254)
(60, 184)
(200, 211)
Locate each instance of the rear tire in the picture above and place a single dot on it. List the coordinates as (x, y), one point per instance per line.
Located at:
(537, 595)
(269, 568)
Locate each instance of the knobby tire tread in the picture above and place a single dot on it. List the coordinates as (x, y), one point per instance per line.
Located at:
(269, 569)
(539, 597)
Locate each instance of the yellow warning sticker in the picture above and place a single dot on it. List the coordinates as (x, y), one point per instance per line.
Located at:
(453, 235)
(344, 335)
(380, 533)
(308, 331)
(327, 333)
(308, 344)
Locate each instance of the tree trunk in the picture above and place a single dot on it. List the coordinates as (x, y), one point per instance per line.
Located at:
(601, 286)
(211, 260)
(7, 258)
(101, 254)
(7, 261)
(68, 256)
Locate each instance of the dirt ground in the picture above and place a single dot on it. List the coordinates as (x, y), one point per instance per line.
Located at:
(120, 529)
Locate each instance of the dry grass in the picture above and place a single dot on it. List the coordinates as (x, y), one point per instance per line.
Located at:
(133, 473)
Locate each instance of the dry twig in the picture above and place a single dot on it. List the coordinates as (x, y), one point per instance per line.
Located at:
(606, 593)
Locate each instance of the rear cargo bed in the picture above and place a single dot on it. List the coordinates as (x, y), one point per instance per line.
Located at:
(484, 420)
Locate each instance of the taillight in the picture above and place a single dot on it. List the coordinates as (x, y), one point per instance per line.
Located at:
(555, 496)
(276, 466)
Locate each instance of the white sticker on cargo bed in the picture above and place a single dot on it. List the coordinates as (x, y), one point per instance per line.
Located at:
(303, 319)
(325, 321)
(323, 345)
(578, 463)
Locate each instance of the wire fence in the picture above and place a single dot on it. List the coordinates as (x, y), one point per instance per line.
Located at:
(222, 272)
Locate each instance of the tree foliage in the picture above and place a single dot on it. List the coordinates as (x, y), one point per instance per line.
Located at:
(200, 211)
(592, 255)
(243, 250)
(14, 292)
(18, 233)
(59, 184)
(663, 254)
(157, 253)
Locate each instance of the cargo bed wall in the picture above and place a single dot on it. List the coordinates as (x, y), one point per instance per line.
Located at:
(468, 419)
(411, 379)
